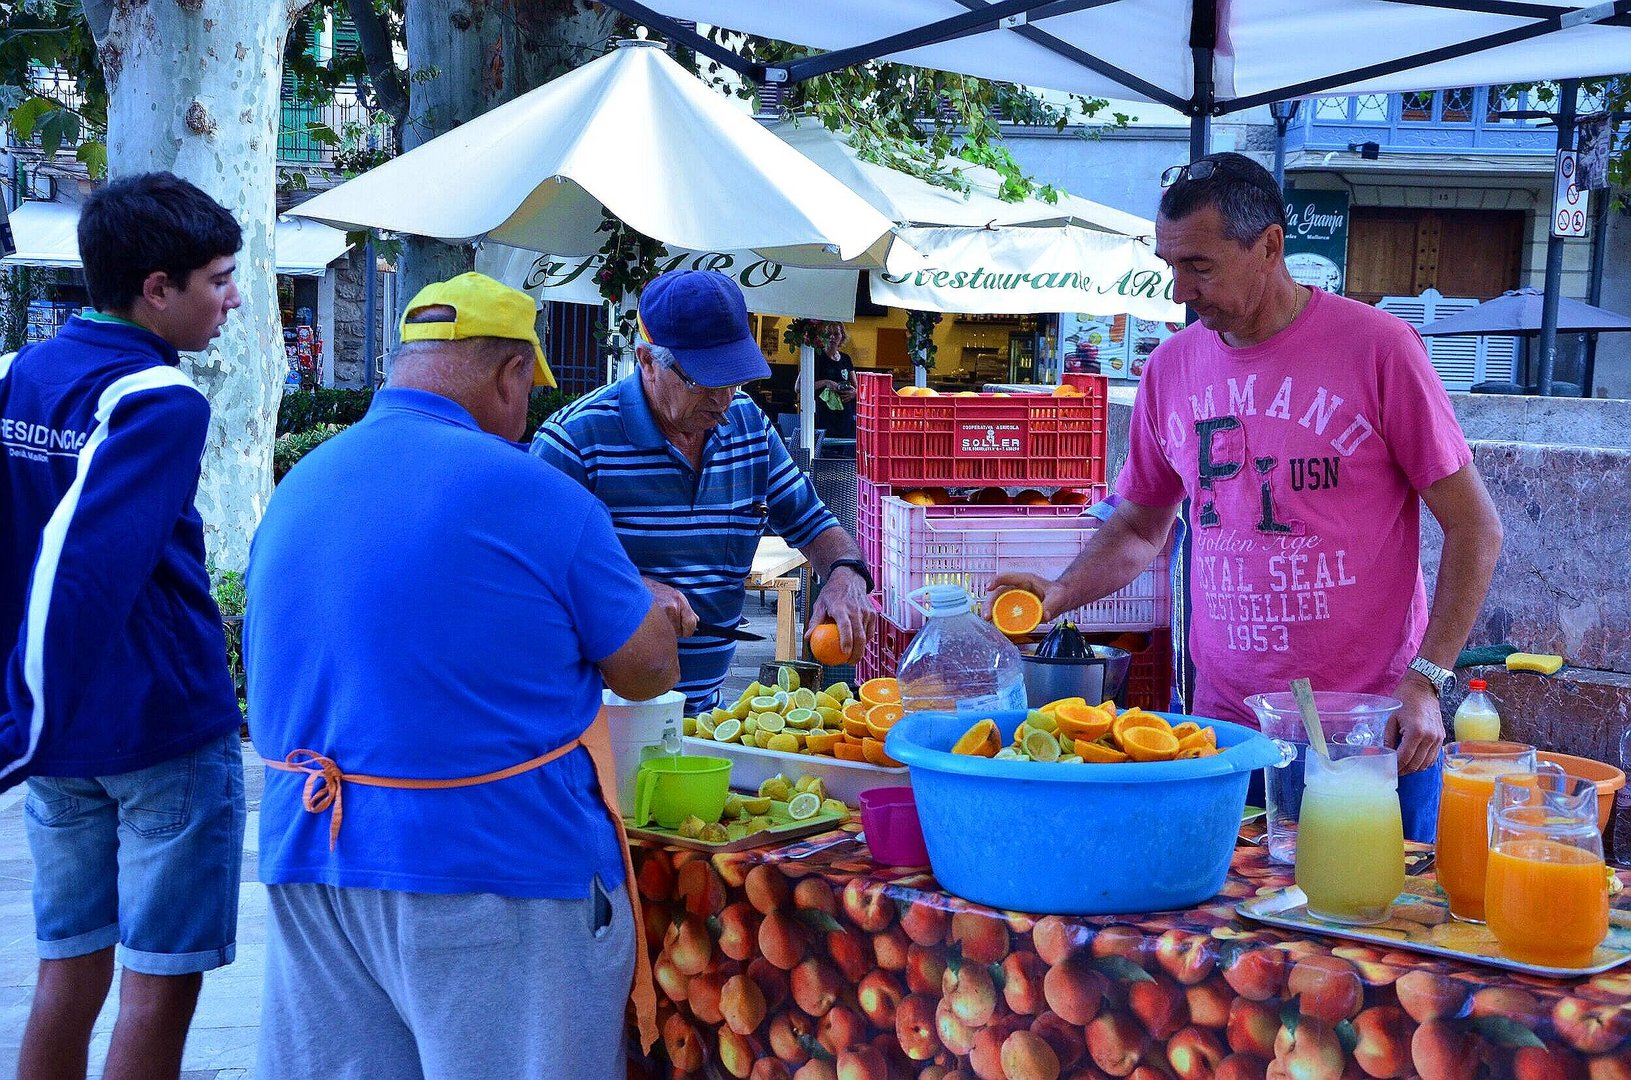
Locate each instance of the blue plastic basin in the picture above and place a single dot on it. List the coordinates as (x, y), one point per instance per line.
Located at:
(1076, 839)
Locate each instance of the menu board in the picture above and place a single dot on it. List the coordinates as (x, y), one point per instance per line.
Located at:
(1113, 345)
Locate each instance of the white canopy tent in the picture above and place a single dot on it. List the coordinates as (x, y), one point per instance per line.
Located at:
(1204, 58)
(47, 234)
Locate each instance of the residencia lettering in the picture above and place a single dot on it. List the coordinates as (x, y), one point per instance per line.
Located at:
(18, 434)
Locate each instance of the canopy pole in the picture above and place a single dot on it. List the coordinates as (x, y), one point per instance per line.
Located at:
(1568, 91)
(807, 403)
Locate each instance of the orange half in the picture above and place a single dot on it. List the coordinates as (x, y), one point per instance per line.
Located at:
(872, 750)
(1136, 718)
(1016, 611)
(879, 692)
(848, 751)
(1149, 744)
(1085, 722)
(1098, 753)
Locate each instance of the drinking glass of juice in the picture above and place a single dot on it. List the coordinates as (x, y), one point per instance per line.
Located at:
(1462, 852)
(1350, 838)
(1546, 893)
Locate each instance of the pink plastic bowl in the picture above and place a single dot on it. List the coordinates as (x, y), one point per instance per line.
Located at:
(889, 816)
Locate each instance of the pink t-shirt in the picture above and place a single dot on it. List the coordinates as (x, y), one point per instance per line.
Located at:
(1303, 456)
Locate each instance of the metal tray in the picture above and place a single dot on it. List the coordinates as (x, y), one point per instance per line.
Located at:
(1421, 923)
(778, 834)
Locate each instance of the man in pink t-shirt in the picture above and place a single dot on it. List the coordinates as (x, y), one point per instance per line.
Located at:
(1306, 429)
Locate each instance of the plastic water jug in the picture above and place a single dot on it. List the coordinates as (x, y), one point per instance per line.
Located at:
(958, 663)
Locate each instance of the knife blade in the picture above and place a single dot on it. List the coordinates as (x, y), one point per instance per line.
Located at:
(729, 633)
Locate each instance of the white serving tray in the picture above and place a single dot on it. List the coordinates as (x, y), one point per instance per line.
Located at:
(751, 766)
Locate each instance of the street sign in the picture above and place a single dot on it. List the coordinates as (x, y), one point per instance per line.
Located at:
(1568, 198)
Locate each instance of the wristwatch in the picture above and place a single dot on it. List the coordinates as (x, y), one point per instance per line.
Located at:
(858, 566)
(1443, 679)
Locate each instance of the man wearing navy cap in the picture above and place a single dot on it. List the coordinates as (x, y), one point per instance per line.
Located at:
(693, 473)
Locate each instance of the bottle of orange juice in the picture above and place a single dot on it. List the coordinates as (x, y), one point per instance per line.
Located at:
(1477, 718)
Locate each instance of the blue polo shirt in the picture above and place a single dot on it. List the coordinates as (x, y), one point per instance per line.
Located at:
(696, 531)
(427, 600)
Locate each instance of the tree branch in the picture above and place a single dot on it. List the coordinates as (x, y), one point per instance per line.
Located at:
(390, 94)
(98, 16)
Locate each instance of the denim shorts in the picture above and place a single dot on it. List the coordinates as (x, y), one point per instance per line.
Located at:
(148, 860)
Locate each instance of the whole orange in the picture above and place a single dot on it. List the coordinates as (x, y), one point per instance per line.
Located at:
(824, 646)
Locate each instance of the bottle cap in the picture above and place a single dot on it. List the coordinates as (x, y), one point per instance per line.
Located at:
(1477, 685)
(945, 600)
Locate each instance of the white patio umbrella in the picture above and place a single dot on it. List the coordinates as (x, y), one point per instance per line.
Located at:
(637, 134)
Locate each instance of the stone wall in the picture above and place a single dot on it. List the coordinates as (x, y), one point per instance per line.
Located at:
(350, 326)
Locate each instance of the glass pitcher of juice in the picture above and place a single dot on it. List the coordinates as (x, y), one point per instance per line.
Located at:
(1546, 891)
(1462, 852)
(1350, 842)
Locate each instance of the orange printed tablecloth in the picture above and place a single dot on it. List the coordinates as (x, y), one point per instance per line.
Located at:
(809, 961)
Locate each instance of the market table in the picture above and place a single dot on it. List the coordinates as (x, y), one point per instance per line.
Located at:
(768, 958)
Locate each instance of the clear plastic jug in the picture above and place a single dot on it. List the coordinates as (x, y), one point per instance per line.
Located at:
(1350, 843)
(1545, 891)
(958, 663)
(1462, 852)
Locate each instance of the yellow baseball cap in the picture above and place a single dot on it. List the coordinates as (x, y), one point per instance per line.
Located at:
(481, 307)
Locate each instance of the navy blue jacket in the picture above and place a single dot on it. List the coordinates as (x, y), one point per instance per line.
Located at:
(117, 659)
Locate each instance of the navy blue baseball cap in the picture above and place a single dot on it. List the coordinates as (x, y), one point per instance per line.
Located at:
(701, 317)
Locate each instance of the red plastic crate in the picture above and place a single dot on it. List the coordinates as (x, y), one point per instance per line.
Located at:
(970, 545)
(881, 659)
(1149, 677)
(982, 439)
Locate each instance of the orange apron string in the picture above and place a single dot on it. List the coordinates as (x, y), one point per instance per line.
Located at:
(324, 783)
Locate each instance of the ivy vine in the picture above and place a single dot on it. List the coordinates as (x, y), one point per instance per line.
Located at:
(920, 344)
(628, 262)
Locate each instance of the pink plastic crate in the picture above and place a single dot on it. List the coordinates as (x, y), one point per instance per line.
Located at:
(970, 545)
(882, 656)
(869, 524)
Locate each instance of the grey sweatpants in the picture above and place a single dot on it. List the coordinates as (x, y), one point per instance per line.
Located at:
(369, 985)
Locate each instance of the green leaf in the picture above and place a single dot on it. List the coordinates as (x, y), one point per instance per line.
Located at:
(25, 116)
(1505, 1031)
(1120, 969)
(57, 127)
(93, 154)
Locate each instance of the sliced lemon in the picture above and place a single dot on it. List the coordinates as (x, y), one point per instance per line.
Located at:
(824, 700)
(772, 722)
(803, 805)
(764, 703)
(813, 784)
(736, 830)
(755, 807)
(1041, 721)
(787, 679)
(777, 787)
(705, 727)
(804, 699)
(800, 718)
(751, 724)
(728, 731)
(840, 690)
(733, 805)
(784, 742)
(835, 806)
(755, 688)
(830, 718)
(1041, 746)
(1008, 753)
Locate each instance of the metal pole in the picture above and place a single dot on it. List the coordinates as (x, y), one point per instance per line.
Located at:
(1280, 153)
(370, 285)
(1568, 91)
(1599, 245)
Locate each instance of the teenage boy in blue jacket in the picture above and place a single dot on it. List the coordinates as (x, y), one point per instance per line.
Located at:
(118, 709)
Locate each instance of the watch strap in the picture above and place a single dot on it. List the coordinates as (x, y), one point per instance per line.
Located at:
(858, 566)
(1441, 678)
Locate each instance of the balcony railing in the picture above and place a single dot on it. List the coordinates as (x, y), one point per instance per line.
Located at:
(308, 135)
(1455, 120)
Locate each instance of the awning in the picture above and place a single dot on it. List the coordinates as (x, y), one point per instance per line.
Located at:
(47, 235)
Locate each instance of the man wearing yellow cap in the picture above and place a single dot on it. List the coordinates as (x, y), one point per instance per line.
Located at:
(437, 843)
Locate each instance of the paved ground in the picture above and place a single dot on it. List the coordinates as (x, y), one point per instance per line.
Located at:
(222, 1043)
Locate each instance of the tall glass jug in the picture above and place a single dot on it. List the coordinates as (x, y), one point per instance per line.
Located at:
(1546, 892)
(1350, 842)
(1462, 856)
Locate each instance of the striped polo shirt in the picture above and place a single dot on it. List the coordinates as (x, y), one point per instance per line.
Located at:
(695, 532)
